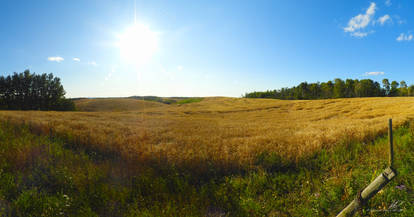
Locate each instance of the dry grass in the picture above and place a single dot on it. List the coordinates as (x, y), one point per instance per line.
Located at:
(114, 104)
(227, 131)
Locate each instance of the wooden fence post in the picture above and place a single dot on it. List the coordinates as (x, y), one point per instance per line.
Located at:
(375, 186)
(390, 138)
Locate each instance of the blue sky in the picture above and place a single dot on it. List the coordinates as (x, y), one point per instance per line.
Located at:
(205, 48)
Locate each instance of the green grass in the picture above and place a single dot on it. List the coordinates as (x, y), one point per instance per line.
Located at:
(43, 176)
(189, 100)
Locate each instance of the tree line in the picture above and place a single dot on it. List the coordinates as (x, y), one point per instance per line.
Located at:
(27, 91)
(338, 89)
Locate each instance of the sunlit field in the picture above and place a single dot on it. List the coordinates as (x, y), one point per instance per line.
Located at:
(214, 157)
(228, 132)
(206, 108)
(114, 105)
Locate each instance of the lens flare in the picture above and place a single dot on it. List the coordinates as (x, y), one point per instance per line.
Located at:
(137, 44)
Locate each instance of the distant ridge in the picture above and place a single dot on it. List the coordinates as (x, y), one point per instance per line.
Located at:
(113, 104)
(133, 103)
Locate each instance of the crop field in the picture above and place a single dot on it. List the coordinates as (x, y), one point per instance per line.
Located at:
(266, 147)
(113, 105)
(228, 131)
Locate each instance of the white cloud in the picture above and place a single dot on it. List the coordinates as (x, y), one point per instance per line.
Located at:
(359, 34)
(382, 20)
(361, 21)
(55, 59)
(374, 73)
(405, 37)
(93, 63)
(388, 3)
(76, 59)
(108, 76)
(180, 68)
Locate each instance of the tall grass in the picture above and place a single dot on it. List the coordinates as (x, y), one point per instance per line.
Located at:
(224, 133)
(47, 176)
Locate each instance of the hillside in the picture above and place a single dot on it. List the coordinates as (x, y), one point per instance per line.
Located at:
(229, 131)
(114, 104)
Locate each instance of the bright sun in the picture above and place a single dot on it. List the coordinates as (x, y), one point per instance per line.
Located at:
(137, 44)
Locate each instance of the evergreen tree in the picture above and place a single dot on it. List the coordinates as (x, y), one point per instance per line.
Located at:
(26, 91)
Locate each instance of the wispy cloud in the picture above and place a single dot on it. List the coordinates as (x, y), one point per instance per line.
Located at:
(358, 23)
(374, 73)
(76, 59)
(55, 59)
(388, 3)
(180, 68)
(399, 20)
(359, 34)
(382, 20)
(405, 37)
(92, 63)
(108, 76)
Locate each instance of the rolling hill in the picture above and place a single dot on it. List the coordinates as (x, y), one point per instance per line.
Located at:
(114, 104)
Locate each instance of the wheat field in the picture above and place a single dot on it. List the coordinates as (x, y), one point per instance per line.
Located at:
(230, 132)
(114, 105)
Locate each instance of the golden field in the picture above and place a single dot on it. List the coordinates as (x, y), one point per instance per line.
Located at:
(113, 105)
(228, 132)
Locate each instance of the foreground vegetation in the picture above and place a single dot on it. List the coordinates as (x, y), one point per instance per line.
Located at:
(47, 176)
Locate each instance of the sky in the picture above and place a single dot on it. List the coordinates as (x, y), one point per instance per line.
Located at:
(116, 48)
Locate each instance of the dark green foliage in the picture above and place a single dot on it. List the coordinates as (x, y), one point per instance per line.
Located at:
(338, 89)
(26, 91)
(394, 88)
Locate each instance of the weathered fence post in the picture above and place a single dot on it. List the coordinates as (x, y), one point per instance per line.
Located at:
(375, 186)
(390, 138)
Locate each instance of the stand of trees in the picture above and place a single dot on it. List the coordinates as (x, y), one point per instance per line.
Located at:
(26, 91)
(338, 89)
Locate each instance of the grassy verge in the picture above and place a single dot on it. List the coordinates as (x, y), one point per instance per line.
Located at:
(44, 176)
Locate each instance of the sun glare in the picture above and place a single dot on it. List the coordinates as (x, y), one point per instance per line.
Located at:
(137, 44)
